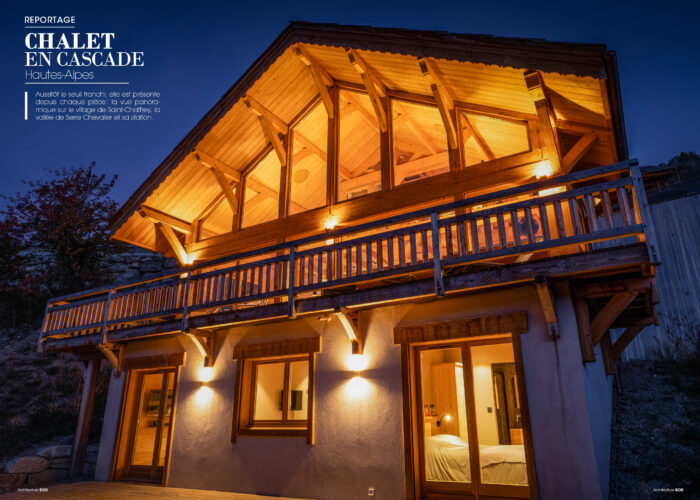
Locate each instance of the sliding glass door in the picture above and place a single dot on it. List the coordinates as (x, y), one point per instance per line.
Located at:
(469, 419)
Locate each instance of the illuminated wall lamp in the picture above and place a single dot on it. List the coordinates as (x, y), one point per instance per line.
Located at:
(543, 169)
(206, 374)
(446, 417)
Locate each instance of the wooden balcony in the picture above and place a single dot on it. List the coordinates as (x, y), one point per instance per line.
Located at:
(546, 228)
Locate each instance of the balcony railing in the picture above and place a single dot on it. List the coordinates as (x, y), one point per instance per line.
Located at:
(558, 216)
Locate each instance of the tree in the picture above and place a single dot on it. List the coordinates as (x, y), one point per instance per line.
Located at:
(56, 235)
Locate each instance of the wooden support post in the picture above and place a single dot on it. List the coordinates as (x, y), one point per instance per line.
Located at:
(606, 351)
(204, 342)
(351, 323)
(185, 324)
(642, 206)
(544, 292)
(82, 430)
(610, 312)
(291, 309)
(583, 321)
(546, 117)
(437, 266)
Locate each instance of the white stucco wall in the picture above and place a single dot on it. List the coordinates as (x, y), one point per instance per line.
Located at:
(359, 440)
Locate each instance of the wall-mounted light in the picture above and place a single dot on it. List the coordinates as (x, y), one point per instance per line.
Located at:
(543, 169)
(330, 222)
(357, 362)
(206, 374)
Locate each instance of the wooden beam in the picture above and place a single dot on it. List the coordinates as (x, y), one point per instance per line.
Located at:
(82, 430)
(628, 336)
(114, 354)
(480, 141)
(260, 110)
(210, 161)
(546, 118)
(230, 196)
(351, 323)
(471, 327)
(373, 84)
(170, 220)
(610, 287)
(175, 245)
(321, 77)
(443, 98)
(204, 342)
(582, 146)
(544, 292)
(583, 321)
(610, 312)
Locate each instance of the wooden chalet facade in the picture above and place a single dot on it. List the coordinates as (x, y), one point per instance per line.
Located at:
(392, 281)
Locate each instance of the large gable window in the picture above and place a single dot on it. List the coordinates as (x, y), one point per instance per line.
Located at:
(486, 138)
(309, 162)
(359, 157)
(420, 142)
(262, 191)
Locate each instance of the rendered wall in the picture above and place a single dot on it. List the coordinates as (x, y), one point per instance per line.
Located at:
(359, 437)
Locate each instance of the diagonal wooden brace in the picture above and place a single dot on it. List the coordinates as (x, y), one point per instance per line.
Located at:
(544, 291)
(351, 323)
(114, 354)
(204, 342)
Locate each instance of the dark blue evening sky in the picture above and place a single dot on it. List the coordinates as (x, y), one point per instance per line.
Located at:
(194, 51)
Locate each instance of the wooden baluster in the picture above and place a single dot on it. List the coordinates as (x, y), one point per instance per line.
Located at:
(529, 226)
(390, 252)
(559, 218)
(608, 216)
(348, 261)
(501, 230)
(338, 263)
(425, 251)
(590, 212)
(380, 254)
(544, 223)
(474, 230)
(448, 240)
(516, 228)
(368, 255)
(623, 203)
(402, 250)
(573, 210)
(487, 233)
(461, 234)
(414, 249)
(641, 205)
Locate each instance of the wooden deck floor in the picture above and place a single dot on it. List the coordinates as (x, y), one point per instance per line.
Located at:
(94, 490)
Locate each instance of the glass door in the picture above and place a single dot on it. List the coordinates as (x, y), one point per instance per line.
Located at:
(150, 427)
(470, 429)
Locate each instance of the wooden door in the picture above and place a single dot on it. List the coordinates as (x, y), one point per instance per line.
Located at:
(146, 426)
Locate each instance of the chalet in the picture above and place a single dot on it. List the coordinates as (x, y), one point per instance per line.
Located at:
(402, 253)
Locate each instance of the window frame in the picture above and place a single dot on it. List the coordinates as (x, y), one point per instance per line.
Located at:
(248, 357)
(284, 422)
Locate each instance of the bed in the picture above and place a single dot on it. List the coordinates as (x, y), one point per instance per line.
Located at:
(447, 459)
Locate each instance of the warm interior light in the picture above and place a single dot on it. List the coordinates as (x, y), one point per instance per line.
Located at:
(357, 362)
(543, 169)
(206, 373)
(554, 190)
(448, 417)
(330, 222)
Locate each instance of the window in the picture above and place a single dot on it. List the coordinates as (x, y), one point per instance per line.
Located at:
(420, 142)
(309, 161)
(275, 388)
(486, 138)
(359, 157)
(262, 191)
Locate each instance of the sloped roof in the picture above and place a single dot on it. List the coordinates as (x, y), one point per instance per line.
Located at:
(556, 58)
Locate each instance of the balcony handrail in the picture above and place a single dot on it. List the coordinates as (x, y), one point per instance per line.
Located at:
(538, 185)
(556, 220)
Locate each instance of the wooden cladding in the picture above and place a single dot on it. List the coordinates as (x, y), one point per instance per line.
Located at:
(157, 361)
(458, 329)
(278, 348)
